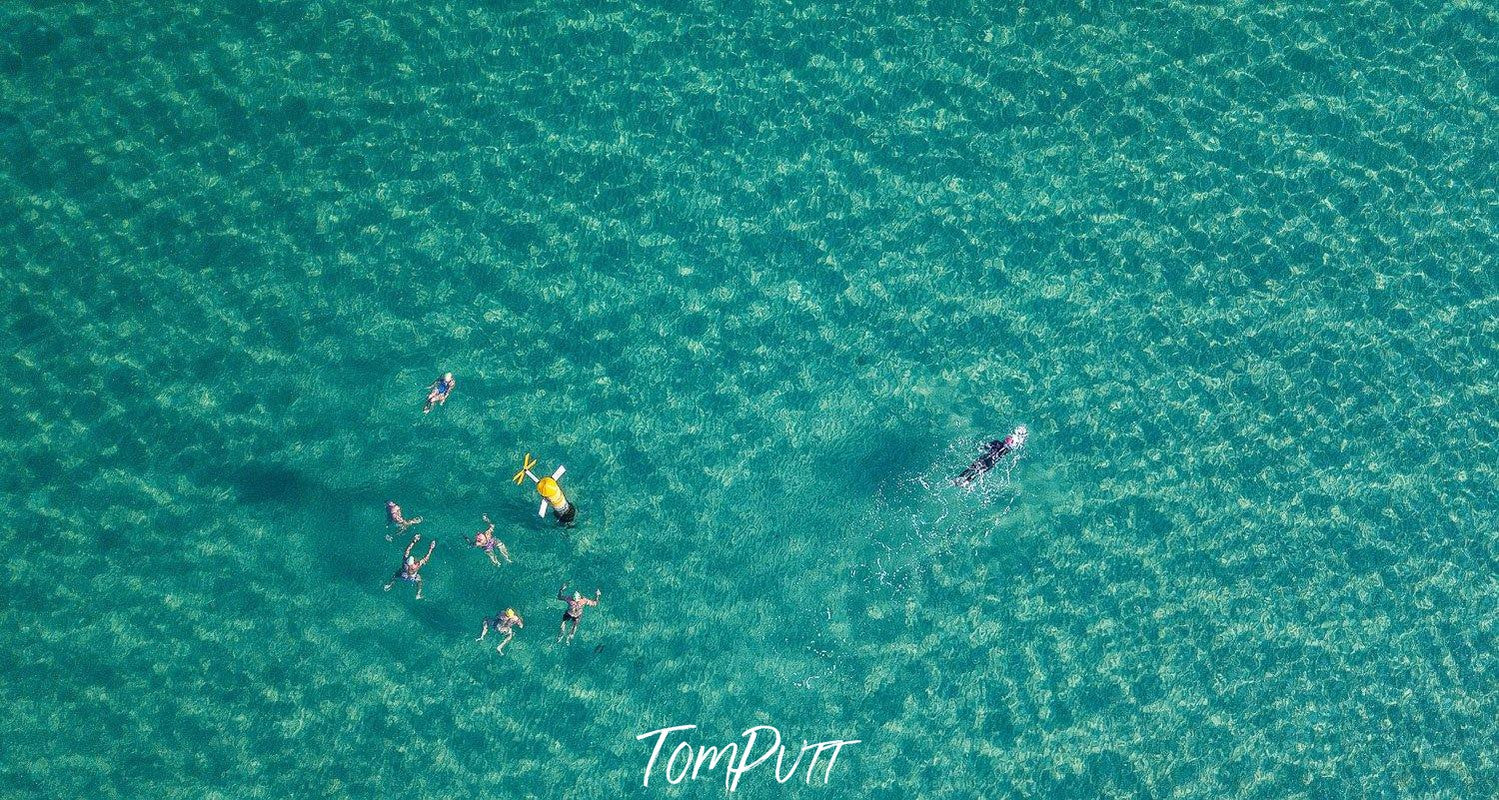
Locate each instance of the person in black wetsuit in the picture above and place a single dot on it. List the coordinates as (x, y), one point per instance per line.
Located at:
(993, 452)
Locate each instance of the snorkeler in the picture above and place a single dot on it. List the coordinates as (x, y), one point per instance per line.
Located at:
(993, 452)
(576, 602)
(410, 570)
(502, 623)
(485, 540)
(393, 515)
(438, 392)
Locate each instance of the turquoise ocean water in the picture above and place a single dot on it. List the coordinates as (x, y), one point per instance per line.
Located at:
(761, 277)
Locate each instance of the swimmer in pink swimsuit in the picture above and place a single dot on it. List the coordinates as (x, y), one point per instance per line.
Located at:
(486, 541)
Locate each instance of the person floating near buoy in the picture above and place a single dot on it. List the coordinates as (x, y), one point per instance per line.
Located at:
(550, 491)
(502, 623)
(438, 392)
(993, 452)
(485, 540)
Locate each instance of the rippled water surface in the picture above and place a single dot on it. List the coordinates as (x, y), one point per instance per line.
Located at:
(762, 278)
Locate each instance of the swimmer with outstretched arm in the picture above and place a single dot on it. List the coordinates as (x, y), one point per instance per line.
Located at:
(502, 623)
(410, 570)
(993, 452)
(394, 516)
(438, 392)
(576, 602)
(486, 541)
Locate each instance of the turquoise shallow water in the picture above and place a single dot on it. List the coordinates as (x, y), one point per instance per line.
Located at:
(761, 278)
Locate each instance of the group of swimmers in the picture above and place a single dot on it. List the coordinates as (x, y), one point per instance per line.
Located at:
(505, 622)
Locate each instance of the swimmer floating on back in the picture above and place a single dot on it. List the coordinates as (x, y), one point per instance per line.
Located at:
(993, 452)
(502, 623)
(485, 541)
(438, 392)
(393, 515)
(576, 602)
(410, 570)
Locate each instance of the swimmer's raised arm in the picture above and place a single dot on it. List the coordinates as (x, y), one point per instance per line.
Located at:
(430, 547)
(414, 540)
(484, 631)
(562, 593)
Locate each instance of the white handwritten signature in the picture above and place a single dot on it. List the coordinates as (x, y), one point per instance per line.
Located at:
(686, 758)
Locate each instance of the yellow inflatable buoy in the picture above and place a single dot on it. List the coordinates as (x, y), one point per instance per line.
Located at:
(549, 489)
